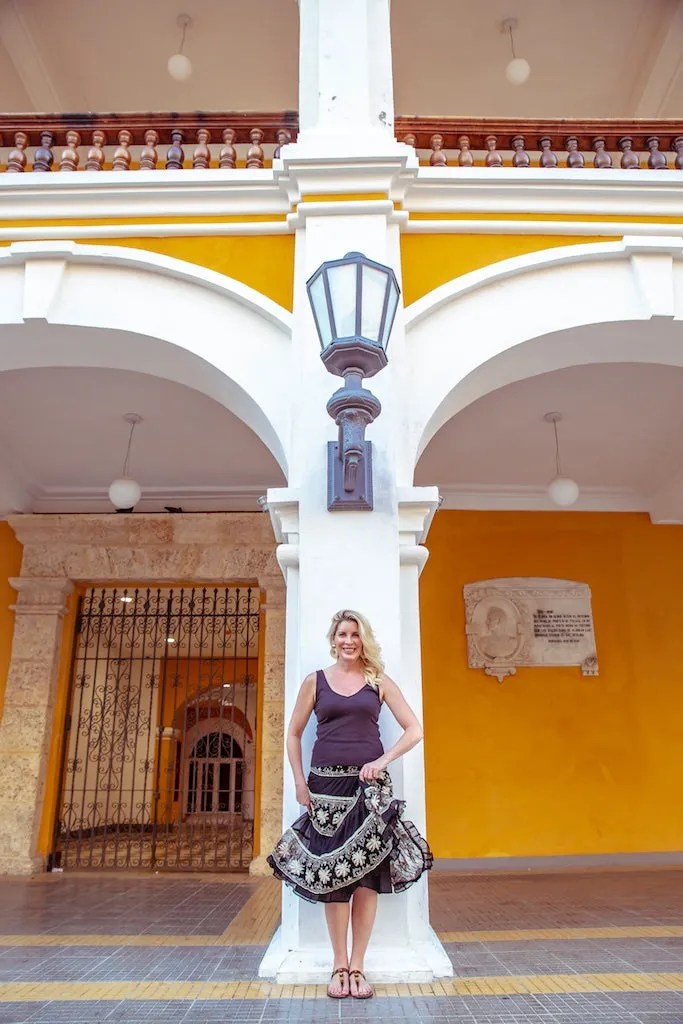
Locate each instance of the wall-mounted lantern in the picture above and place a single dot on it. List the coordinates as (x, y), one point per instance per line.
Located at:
(354, 302)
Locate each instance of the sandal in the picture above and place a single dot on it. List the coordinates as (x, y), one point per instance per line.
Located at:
(341, 971)
(356, 975)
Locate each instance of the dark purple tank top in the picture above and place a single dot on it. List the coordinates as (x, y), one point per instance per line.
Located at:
(347, 726)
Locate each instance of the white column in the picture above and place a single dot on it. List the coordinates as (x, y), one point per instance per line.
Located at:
(350, 559)
(346, 93)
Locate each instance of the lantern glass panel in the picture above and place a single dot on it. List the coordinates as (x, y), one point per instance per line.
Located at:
(342, 283)
(392, 306)
(316, 293)
(374, 291)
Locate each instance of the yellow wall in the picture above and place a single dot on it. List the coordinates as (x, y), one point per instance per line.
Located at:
(10, 565)
(428, 261)
(263, 262)
(550, 762)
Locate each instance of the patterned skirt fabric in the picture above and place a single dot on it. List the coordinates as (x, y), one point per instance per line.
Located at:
(353, 835)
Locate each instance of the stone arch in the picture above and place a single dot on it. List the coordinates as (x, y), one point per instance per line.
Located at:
(65, 304)
(62, 550)
(532, 314)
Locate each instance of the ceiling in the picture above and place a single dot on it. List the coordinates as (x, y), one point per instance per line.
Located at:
(621, 438)
(63, 440)
(589, 59)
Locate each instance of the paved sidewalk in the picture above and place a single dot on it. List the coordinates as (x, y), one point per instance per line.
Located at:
(564, 948)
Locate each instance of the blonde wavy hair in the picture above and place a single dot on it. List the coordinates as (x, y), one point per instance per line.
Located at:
(371, 652)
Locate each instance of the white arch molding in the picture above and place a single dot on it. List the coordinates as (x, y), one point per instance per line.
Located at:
(531, 314)
(64, 304)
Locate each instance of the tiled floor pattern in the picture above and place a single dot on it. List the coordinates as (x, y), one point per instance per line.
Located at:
(604, 948)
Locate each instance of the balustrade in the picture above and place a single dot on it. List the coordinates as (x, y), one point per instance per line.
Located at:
(158, 141)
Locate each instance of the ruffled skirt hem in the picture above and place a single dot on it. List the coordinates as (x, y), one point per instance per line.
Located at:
(353, 836)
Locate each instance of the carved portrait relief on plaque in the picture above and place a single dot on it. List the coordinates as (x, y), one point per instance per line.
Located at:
(529, 621)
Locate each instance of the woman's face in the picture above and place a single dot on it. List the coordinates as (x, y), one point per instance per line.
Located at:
(347, 642)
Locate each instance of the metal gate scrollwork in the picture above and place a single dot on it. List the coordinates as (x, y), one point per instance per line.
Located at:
(160, 744)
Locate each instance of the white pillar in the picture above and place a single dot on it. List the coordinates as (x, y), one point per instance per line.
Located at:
(346, 95)
(351, 559)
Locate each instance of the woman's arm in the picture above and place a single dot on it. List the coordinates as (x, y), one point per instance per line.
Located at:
(297, 723)
(405, 716)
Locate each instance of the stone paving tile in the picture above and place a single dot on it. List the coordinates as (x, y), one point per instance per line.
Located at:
(122, 905)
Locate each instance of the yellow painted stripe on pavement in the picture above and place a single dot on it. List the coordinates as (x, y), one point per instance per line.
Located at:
(256, 922)
(84, 991)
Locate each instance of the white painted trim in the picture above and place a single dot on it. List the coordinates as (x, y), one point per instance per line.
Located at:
(347, 208)
(537, 190)
(515, 498)
(545, 259)
(79, 231)
(122, 195)
(154, 499)
(142, 259)
(539, 227)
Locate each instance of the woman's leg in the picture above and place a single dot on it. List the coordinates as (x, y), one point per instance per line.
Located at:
(363, 910)
(337, 917)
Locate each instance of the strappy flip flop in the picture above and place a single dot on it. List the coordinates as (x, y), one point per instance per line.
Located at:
(341, 971)
(357, 975)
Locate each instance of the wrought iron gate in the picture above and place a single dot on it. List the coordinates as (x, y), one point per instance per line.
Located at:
(160, 742)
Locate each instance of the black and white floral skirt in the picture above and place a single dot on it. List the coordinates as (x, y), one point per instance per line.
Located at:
(354, 834)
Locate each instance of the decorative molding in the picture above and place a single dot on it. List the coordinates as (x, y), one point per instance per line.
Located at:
(597, 228)
(347, 208)
(43, 596)
(154, 499)
(282, 504)
(115, 196)
(141, 259)
(519, 498)
(536, 190)
(545, 259)
(219, 229)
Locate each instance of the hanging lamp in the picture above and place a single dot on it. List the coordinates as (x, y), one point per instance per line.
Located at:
(179, 64)
(562, 490)
(125, 492)
(518, 69)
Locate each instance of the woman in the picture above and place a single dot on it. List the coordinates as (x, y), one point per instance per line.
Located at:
(352, 842)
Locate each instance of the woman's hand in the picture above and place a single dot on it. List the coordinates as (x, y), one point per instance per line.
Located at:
(373, 769)
(302, 794)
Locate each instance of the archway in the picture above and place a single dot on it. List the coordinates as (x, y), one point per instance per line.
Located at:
(534, 314)
(69, 305)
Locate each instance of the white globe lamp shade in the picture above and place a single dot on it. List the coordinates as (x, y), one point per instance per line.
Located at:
(179, 67)
(518, 71)
(125, 493)
(563, 491)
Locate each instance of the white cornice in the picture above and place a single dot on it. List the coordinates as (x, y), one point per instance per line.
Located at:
(347, 208)
(110, 196)
(516, 498)
(491, 226)
(154, 499)
(119, 196)
(533, 191)
(210, 229)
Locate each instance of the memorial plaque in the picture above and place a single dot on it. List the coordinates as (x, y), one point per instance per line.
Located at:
(529, 621)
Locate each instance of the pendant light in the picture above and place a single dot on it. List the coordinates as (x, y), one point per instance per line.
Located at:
(562, 490)
(179, 64)
(518, 69)
(125, 492)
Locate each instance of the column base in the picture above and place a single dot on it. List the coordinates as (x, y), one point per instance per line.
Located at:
(21, 866)
(260, 867)
(421, 962)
